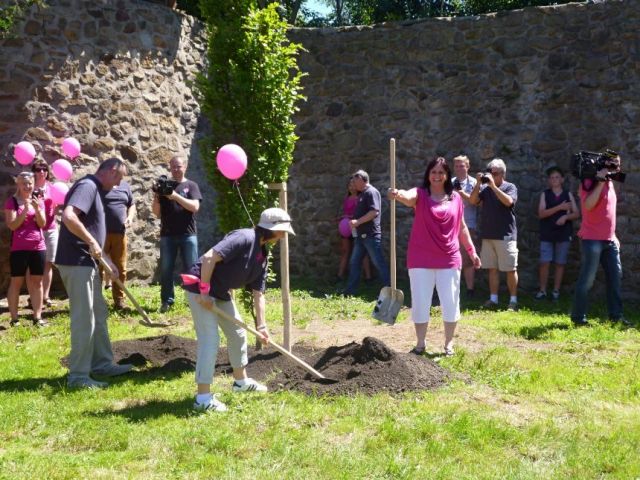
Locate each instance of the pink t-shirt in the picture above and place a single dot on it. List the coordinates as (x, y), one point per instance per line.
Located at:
(599, 223)
(28, 236)
(434, 235)
(349, 206)
(49, 209)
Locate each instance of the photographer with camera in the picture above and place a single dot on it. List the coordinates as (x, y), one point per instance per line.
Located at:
(597, 233)
(499, 230)
(24, 214)
(463, 183)
(175, 203)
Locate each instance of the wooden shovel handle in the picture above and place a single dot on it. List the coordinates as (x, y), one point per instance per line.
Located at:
(107, 269)
(218, 311)
(392, 238)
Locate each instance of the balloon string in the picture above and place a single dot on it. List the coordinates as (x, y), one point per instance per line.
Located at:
(236, 184)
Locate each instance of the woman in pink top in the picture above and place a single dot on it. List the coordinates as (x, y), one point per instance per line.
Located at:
(346, 244)
(42, 174)
(25, 217)
(433, 257)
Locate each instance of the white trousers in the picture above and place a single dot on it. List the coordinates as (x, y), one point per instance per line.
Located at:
(207, 323)
(447, 283)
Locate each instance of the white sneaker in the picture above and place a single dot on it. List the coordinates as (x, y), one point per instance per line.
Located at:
(250, 385)
(213, 405)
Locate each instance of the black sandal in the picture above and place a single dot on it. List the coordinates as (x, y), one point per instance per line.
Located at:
(417, 351)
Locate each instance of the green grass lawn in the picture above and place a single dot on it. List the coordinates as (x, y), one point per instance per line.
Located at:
(536, 398)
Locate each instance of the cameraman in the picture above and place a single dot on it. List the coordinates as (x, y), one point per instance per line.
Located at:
(499, 230)
(176, 212)
(599, 244)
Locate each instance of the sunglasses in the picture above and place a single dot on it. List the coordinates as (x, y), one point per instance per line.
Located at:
(41, 169)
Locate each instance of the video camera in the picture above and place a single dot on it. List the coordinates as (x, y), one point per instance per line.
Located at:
(485, 176)
(585, 165)
(164, 186)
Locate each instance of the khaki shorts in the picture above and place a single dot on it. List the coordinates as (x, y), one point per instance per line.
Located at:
(500, 254)
(467, 261)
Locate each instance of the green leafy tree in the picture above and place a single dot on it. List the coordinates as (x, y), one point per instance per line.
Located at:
(12, 11)
(249, 94)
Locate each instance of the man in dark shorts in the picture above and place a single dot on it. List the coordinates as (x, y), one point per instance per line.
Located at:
(239, 260)
(177, 214)
(366, 221)
(82, 237)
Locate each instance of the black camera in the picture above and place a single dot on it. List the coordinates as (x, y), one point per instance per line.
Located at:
(457, 185)
(585, 165)
(164, 186)
(485, 176)
(38, 193)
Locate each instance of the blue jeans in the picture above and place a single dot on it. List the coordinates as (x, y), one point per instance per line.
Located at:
(188, 245)
(607, 254)
(372, 246)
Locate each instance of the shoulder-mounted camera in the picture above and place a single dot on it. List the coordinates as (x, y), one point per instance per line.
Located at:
(164, 186)
(586, 165)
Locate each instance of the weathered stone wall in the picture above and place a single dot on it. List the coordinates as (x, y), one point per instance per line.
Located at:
(115, 75)
(531, 86)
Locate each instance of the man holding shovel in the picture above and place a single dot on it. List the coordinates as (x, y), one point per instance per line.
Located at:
(366, 221)
(239, 260)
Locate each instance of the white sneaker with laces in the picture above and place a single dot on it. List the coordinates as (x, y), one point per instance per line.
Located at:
(250, 385)
(213, 405)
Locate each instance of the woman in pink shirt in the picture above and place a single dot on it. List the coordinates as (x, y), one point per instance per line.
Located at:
(346, 244)
(25, 217)
(433, 256)
(42, 174)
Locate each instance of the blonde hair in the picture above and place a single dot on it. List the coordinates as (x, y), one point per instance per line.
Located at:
(462, 158)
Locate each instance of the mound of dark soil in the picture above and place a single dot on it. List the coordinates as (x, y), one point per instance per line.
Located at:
(366, 368)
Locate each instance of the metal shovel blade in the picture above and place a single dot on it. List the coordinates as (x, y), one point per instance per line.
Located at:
(388, 306)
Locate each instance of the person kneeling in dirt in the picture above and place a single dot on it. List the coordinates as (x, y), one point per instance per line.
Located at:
(239, 260)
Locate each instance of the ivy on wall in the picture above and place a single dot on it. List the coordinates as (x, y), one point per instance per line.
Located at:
(12, 12)
(249, 94)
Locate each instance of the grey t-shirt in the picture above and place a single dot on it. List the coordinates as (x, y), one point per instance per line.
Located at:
(470, 211)
(498, 221)
(84, 195)
(369, 200)
(244, 264)
(116, 203)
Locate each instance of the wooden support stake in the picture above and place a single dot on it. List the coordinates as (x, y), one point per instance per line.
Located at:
(284, 269)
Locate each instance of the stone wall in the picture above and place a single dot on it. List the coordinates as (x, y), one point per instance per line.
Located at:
(531, 86)
(115, 75)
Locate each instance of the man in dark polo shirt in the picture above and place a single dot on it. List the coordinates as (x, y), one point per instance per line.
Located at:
(366, 221)
(499, 232)
(119, 212)
(177, 214)
(239, 260)
(82, 237)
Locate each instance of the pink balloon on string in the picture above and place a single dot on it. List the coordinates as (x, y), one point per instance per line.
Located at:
(344, 227)
(62, 169)
(24, 153)
(231, 161)
(58, 192)
(71, 147)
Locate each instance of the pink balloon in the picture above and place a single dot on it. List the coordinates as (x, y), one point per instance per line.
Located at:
(24, 153)
(71, 147)
(232, 161)
(58, 191)
(344, 227)
(62, 169)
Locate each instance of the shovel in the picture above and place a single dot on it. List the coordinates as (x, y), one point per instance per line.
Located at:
(190, 279)
(390, 299)
(146, 321)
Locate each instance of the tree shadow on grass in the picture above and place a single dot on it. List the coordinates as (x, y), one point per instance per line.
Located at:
(143, 411)
(541, 331)
(56, 384)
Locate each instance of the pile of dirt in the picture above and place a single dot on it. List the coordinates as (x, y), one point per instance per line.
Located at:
(366, 368)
